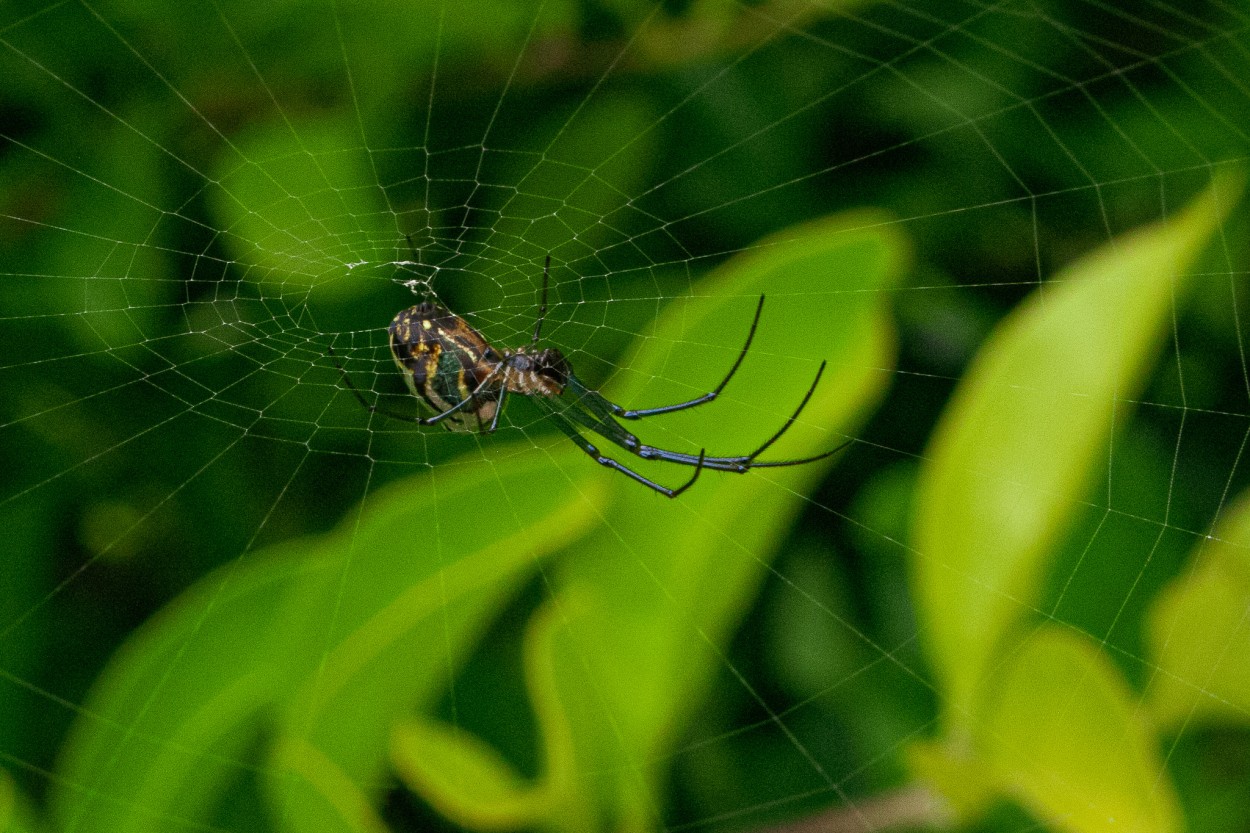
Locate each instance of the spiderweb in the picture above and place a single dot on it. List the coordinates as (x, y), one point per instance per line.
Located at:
(196, 213)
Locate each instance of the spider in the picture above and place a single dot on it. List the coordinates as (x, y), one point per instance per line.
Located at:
(450, 367)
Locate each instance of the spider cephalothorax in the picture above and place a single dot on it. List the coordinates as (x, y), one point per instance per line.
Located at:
(544, 373)
(450, 367)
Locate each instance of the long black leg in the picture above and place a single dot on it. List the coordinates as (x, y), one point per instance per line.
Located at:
(738, 465)
(622, 413)
(614, 433)
(794, 416)
(542, 304)
(776, 464)
(434, 420)
(583, 413)
(584, 444)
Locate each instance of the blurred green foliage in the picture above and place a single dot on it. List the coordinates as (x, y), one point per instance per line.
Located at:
(1015, 450)
(230, 599)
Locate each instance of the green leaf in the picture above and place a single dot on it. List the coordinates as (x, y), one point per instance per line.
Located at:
(471, 783)
(168, 723)
(1027, 429)
(1067, 739)
(464, 778)
(1199, 631)
(168, 727)
(416, 581)
(666, 583)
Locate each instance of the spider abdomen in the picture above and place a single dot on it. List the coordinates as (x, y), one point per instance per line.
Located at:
(444, 361)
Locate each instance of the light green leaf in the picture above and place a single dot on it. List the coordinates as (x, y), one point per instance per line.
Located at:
(168, 723)
(666, 583)
(1066, 738)
(1199, 631)
(1026, 430)
(416, 582)
(464, 778)
(470, 782)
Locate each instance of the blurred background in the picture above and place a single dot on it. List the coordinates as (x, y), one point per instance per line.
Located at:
(196, 202)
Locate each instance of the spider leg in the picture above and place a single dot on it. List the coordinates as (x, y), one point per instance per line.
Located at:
(542, 303)
(747, 462)
(434, 420)
(590, 414)
(503, 397)
(776, 464)
(614, 432)
(355, 391)
(570, 431)
(794, 416)
(471, 399)
(622, 413)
